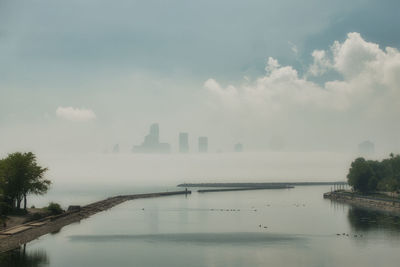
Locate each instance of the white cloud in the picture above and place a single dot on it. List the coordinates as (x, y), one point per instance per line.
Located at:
(367, 94)
(321, 63)
(368, 73)
(75, 114)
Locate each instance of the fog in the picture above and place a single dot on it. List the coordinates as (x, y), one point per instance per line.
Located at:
(137, 169)
(78, 179)
(298, 85)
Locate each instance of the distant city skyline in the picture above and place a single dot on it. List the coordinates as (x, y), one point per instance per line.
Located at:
(151, 143)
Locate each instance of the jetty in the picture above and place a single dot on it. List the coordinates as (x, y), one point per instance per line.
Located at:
(14, 237)
(260, 185)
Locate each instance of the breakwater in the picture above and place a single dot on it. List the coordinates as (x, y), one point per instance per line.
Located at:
(243, 189)
(261, 185)
(14, 237)
(373, 202)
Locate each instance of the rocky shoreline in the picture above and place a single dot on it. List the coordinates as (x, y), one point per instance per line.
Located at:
(32, 230)
(382, 204)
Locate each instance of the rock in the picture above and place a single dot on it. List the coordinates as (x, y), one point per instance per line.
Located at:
(74, 208)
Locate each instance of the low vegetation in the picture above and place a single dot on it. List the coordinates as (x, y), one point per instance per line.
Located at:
(366, 176)
(54, 208)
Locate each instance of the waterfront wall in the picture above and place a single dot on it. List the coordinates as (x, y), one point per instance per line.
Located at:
(383, 204)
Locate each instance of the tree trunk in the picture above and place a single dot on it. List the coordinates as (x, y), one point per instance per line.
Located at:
(19, 203)
(24, 201)
(12, 203)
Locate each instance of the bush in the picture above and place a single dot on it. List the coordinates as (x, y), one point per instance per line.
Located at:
(54, 208)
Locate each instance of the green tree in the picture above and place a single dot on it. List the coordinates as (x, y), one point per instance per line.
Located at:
(372, 175)
(21, 176)
(360, 174)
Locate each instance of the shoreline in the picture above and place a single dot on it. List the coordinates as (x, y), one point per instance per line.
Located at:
(370, 202)
(14, 237)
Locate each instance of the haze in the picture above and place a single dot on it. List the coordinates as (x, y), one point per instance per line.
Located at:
(299, 83)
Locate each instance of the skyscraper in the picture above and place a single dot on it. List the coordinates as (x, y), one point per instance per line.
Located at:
(203, 144)
(152, 139)
(238, 147)
(155, 131)
(366, 148)
(183, 142)
(116, 148)
(151, 143)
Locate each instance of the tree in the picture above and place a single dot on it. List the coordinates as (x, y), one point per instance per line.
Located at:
(369, 175)
(359, 175)
(21, 176)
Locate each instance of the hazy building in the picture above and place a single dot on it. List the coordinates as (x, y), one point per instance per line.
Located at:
(116, 148)
(183, 142)
(238, 147)
(203, 144)
(366, 148)
(154, 133)
(151, 143)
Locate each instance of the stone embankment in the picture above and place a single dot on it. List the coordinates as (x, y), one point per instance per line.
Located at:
(373, 202)
(14, 237)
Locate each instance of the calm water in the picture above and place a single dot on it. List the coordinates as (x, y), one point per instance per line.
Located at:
(298, 228)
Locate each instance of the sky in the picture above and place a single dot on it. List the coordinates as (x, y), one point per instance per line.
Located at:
(80, 76)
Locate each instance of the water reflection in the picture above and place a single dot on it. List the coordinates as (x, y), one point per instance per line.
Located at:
(21, 258)
(243, 238)
(368, 220)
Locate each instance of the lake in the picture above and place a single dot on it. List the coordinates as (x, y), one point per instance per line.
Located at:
(287, 227)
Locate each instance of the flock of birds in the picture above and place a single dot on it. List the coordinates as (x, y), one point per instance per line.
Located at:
(269, 205)
(254, 209)
(347, 235)
(225, 209)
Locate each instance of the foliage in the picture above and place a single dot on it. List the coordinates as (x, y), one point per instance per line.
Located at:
(20, 175)
(54, 208)
(369, 175)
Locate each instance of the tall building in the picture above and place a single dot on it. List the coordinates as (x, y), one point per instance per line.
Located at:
(116, 148)
(151, 143)
(203, 144)
(154, 131)
(238, 147)
(183, 142)
(152, 139)
(366, 148)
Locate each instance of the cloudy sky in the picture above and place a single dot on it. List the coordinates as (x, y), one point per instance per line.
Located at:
(80, 76)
